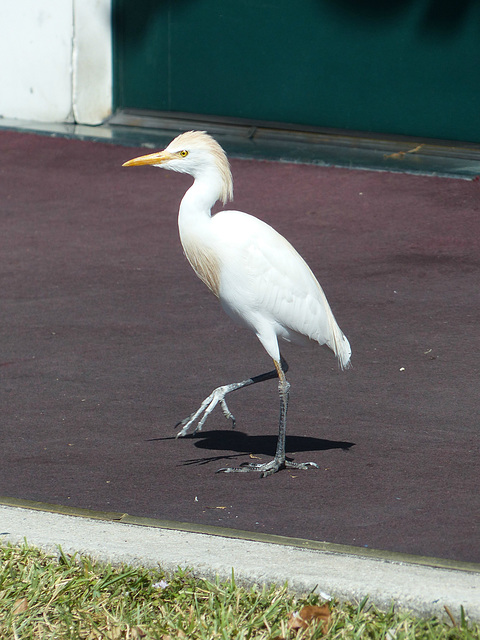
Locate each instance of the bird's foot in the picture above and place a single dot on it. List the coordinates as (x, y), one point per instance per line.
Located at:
(268, 468)
(206, 408)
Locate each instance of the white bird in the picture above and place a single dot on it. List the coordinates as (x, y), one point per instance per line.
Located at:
(260, 280)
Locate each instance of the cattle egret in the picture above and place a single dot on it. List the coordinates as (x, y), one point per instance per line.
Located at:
(260, 280)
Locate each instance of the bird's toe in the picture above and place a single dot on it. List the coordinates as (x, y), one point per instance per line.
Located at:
(301, 465)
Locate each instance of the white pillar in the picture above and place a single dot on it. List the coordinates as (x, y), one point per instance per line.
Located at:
(92, 61)
(55, 60)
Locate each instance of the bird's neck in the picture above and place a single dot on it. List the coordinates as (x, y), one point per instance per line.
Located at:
(198, 201)
(194, 220)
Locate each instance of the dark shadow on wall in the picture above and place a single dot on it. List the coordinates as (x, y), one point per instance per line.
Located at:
(437, 17)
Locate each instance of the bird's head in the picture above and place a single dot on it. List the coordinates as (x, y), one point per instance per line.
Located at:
(195, 153)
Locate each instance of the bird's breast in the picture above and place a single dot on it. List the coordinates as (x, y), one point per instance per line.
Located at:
(204, 261)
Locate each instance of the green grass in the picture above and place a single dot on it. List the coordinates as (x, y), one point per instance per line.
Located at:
(75, 597)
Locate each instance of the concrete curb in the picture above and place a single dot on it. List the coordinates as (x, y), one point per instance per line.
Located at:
(423, 590)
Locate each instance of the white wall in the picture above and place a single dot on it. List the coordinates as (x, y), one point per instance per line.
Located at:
(55, 60)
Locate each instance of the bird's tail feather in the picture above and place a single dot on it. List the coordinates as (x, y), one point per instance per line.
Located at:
(340, 345)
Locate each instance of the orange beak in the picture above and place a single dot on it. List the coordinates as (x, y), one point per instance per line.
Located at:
(152, 158)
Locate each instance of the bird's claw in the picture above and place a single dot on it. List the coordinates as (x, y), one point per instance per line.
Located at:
(207, 406)
(268, 468)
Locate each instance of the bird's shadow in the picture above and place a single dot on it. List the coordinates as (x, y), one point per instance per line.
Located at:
(243, 444)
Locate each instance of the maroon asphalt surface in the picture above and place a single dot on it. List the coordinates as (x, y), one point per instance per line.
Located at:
(108, 339)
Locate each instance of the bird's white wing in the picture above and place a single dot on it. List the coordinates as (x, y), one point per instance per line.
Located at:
(267, 278)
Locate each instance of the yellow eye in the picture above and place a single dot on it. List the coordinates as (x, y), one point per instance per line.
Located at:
(183, 153)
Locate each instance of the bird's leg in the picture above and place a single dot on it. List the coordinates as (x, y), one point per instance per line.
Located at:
(279, 461)
(218, 395)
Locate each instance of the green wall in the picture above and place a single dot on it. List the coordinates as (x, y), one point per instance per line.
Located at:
(408, 67)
